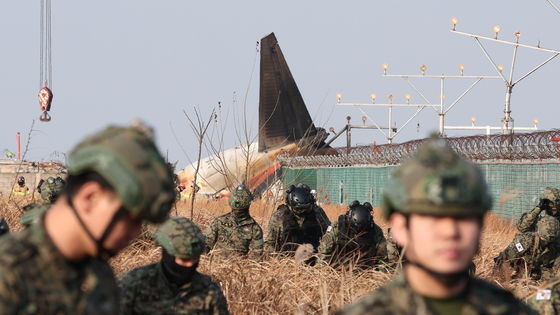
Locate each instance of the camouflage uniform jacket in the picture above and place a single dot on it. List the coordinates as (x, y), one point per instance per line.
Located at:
(36, 279)
(547, 299)
(340, 243)
(287, 230)
(394, 251)
(33, 212)
(542, 261)
(146, 290)
(529, 219)
(229, 235)
(398, 297)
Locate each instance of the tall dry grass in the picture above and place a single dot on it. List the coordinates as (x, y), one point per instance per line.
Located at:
(279, 285)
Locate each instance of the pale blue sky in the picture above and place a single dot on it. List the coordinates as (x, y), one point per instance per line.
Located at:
(115, 60)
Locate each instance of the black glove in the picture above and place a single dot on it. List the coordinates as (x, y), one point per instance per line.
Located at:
(544, 204)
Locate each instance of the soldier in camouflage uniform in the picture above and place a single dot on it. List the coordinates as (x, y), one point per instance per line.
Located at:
(49, 189)
(550, 203)
(394, 250)
(435, 203)
(236, 233)
(117, 178)
(354, 238)
(172, 285)
(546, 300)
(538, 252)
(299, 221)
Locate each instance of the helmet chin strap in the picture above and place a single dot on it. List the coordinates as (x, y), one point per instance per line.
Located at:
(102, 252)
(447, 277)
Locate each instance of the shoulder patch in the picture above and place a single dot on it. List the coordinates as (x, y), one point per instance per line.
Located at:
(543, 294)
(519, 247)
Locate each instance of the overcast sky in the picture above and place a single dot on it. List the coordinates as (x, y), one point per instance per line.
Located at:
(120, 59)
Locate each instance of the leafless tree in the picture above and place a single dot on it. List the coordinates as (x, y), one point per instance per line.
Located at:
(199, 126)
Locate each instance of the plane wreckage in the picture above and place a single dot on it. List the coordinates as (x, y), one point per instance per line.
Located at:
(284, 126)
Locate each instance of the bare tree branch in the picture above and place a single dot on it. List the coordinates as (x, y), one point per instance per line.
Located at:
(199, 127)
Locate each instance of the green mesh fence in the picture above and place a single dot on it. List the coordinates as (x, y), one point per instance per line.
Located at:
(516, 188)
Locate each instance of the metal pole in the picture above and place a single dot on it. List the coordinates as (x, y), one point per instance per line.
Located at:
(390, 137)
(507, 105)
(441, 111)
(348, 135)
(18, 137)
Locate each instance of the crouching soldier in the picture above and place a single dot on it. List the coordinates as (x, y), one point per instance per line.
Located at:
(298, 221)
(354, 239)
(538, 252)
(236, 233)
(172, 285)
(549, 203)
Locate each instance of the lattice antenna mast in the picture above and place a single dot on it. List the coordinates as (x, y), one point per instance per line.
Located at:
(507, 125)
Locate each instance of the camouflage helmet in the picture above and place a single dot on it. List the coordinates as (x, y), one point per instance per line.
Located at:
(240, 198)
(552, 194)
(51, 188)
(127, 158)
(437, 181)
(548, 228)
(181, 238)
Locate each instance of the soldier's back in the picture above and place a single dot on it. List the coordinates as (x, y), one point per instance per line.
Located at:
(398, 297)
(146, 290)
(36, 279)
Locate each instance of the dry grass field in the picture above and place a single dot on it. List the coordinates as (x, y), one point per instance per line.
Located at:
(281, 286)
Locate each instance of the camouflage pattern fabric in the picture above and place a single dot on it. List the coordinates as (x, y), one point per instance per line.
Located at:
(552, 194)
(528, 220)
(542, 261)
(229, 235)
(36, 279)
(287, 230)
(181, 238)
(394, 251)
(342, 245)
(32, 213)
(240, 198)
(51, 188)
(398, 297)
(437, 181)
(547, 299)
(128, 159)
(146, 290)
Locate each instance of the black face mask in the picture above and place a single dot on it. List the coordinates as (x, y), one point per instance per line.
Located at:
(241, 213)
(175, 273)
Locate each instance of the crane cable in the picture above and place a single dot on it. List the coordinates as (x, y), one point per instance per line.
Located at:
(45, 61)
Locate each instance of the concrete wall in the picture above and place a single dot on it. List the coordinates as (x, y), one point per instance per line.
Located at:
(33, 172)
